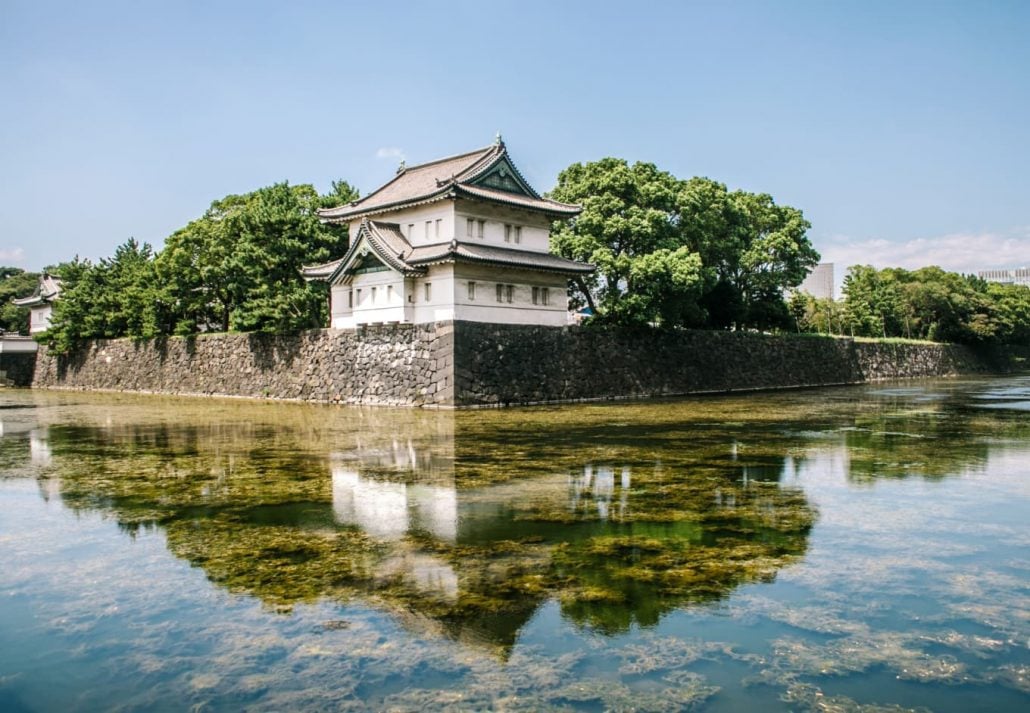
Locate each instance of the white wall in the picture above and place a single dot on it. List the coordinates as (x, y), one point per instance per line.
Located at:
(449, 297)
(442, 211)
(440, 307)
(535, 228)
(39, 319)
(379, 297)
(486, 308)
(449, 284)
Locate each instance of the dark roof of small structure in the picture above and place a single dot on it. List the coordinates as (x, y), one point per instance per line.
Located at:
(389, 244)
(47, 290)
(485, 174)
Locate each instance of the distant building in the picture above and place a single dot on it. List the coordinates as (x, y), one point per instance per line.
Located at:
(1018, 276)
(464, 237)
(40, 303)
(819, 282)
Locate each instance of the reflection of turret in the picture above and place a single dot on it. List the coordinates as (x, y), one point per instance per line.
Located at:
(466, 535)
(39, 447)
(598, 487)
(389, 510)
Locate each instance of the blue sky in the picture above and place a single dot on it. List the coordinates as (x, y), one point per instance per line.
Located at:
(902, 129)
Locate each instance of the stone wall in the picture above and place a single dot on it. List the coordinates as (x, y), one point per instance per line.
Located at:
(477, 364)
(406, 365)
(510, 364)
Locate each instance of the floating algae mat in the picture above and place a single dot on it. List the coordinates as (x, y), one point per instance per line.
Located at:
(854, 549)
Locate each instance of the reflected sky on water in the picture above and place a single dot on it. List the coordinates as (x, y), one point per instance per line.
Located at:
(810, 550)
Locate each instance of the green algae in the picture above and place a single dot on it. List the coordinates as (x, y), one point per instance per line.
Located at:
(247, 497)
(251, 503)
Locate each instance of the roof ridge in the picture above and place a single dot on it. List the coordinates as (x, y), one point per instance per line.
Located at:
(400, 174)
(449, 158)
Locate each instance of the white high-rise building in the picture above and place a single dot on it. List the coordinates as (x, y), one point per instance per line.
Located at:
(1018, 276)
(819, 282)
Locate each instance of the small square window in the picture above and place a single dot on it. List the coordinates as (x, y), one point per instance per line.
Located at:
(481, 228)
(358, 299)
(373, 299)
(429, 228)
(500, 292)
(428, 291)
(439, 222)
(350, 299)
(510, 292)
(545, 295)
(472, 290)
(518, 234)
(469, 227)
(536, 295)
(507, 233)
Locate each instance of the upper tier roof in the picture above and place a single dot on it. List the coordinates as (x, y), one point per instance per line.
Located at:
(486, 174)
(47, 290)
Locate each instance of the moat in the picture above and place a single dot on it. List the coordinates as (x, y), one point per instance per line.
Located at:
(859, 548)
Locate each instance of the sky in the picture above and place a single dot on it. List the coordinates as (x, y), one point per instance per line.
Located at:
(901, 129)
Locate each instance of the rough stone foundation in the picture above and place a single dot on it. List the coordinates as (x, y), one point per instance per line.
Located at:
(475, 364)
(402, 365)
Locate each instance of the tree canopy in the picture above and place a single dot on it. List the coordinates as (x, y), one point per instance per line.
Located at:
(930, 303)
(679, 253)
(14, 283)
(237, 267)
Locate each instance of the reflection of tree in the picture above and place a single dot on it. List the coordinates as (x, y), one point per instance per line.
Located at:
(898, 438)
(265, 511)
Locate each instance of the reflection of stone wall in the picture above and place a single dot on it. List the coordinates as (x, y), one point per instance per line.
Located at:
(499, 364)
(396, 364)
(471, 363)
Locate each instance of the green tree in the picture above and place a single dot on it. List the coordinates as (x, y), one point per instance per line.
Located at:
(645, 273)
(340, 193)
(753, 248)
(115, 297)
(14, 283)
(680, 252)
(931, 303)
(237, 267)
(74, 316)
(1009, 312)
(872, 302)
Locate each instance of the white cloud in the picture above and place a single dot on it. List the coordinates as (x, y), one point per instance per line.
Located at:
(12, 255)
(957, 252)
(390, 152)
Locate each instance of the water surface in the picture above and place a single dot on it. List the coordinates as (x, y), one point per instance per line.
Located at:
(861, 548)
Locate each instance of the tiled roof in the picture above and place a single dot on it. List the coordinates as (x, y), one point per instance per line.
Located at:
(444, 178)
(321, 271)
(492, 255)
(389, 244)
(541, 204)
(47, 290)
(385, 240)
